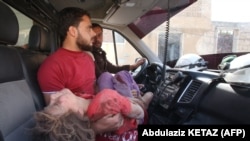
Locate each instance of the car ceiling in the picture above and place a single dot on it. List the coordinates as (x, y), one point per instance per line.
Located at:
(110, 12)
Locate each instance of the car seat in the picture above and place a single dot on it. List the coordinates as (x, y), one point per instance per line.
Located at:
(37, 51)
(16, 102)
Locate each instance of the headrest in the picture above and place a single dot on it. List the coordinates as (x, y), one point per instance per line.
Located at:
(9, 29)
(11, 65)
(39, 39)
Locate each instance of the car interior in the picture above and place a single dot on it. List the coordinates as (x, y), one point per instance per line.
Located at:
(181, 97)
(20, 93)
(17, 103)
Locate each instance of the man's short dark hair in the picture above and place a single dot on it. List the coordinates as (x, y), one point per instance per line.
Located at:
(69, 16)
(96, 25)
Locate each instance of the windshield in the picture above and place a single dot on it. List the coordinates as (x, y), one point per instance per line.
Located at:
(210, 28)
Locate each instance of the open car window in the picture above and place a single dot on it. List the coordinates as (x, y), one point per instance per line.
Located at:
(119, 50)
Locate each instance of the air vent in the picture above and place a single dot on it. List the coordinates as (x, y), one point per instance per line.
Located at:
(189, 93)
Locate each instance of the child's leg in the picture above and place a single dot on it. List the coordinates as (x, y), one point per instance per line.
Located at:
(146, 98)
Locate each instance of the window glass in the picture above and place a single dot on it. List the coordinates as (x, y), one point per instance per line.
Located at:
(126, 54)
(25, 24)
(225, 41)
(174, 44)
(206, 27)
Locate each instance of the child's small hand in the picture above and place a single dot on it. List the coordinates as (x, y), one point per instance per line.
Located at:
(134, 93)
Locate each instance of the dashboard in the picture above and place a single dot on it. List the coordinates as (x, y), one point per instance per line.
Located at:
(195, 97)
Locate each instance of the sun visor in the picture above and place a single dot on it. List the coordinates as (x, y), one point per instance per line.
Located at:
(124, 13)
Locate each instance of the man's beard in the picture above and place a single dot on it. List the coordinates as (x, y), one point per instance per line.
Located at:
(82, 44)
(96, 44)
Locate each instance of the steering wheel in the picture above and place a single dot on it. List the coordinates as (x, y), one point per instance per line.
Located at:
(139, 70)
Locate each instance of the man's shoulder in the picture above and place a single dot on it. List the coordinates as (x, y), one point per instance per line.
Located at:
(90, 54)
(53, 58)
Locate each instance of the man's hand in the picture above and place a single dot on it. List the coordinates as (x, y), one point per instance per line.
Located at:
(137, 64)
(140, 62)
(108, 123)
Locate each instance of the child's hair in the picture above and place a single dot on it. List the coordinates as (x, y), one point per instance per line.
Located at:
(67, 127)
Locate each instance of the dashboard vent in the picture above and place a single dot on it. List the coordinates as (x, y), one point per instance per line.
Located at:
(189, 93)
